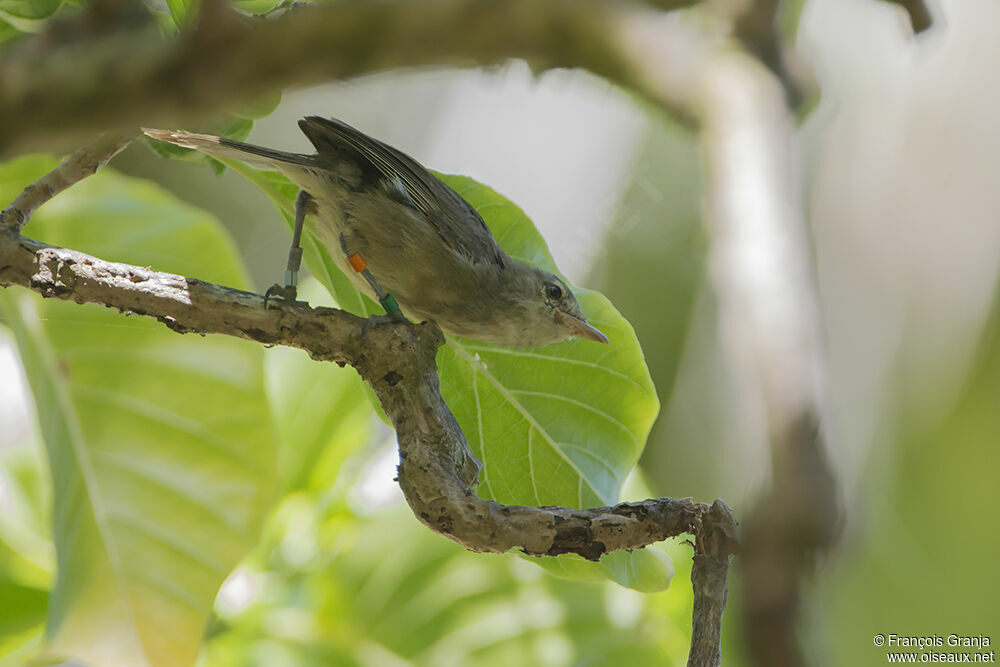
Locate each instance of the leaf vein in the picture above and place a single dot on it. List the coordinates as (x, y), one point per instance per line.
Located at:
(536, 355)
(600, 413)
(526, 414)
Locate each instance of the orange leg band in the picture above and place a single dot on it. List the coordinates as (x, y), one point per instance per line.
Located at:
(357, 262)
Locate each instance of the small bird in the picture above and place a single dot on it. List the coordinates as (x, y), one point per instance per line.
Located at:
(407, 239)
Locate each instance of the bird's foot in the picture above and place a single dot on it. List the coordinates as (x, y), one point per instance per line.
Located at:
(395, 317)
(286, 293)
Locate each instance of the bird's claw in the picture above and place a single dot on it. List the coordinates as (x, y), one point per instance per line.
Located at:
(394, 317)
(285, 292)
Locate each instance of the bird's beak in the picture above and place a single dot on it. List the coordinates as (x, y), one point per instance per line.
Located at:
(579, 327)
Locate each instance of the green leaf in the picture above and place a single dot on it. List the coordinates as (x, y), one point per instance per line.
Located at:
(562, 424)
(646, 570)
(27, 556)
(258, 109)
(23, 607)
(164, 22)
(558, 425)
(160, 446)
(29, 9)
(7, 31)
(258, 6)
(180, 10)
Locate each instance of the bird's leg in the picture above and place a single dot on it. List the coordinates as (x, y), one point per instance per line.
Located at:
(303, 205)
(388, 301)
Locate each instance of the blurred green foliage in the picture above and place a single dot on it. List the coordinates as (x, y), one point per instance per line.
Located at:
(29, 9)
(924, 563)
(379, 589)
(160, 450)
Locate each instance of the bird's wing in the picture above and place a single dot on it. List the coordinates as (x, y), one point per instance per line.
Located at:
(458, 224)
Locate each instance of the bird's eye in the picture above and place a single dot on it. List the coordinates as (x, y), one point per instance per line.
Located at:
(553, 292)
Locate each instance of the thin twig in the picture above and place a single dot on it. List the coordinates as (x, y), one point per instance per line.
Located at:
(82, 163)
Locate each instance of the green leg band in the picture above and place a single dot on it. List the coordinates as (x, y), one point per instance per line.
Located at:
(389, 304)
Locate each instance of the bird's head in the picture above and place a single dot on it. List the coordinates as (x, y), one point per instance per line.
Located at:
(546, 309)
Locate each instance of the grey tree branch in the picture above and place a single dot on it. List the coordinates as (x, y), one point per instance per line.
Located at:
(58, 90)
(708, 578)
(437, 470)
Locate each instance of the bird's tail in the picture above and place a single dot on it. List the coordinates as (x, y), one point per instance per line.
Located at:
(227, 148)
